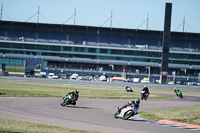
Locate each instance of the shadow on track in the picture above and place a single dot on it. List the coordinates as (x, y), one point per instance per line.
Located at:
(77, 107)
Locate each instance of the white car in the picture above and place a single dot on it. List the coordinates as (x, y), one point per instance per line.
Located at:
(145, 81)
(55, 77)
(136, 80)
(192, 83)
(50, 76)
(171, 83)
(74, 76)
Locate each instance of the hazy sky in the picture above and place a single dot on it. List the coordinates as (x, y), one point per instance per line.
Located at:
(125, 13)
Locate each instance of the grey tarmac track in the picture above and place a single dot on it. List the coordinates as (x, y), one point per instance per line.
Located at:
(90, 114)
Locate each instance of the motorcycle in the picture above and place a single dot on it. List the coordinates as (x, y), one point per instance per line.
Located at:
(68, 99)
(126, 112)
(144, 95)
(178, 93)
(129, 89)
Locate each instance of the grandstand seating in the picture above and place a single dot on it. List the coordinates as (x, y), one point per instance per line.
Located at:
(181, 66)
(29, 39)
(145, 46)
(43, 40)
(53, 41)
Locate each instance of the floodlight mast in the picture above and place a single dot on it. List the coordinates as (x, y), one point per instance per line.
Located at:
(74, 15)
(38, 14)
(1, 11)
(110, 18)
(147, 21)
(184, 23)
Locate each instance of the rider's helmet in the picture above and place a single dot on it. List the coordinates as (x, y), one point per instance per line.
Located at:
(175, 88)
(126, 85)
(76, 92)
(137, 101)
(145, 86)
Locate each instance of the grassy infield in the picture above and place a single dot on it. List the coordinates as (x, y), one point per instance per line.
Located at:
(24, 89)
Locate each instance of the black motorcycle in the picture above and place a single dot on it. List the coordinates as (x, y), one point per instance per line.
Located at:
(128, 89)
(144, 95)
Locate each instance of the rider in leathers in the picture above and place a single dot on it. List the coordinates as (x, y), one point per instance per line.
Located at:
(134, 103)
(146, 89)
(74, 96)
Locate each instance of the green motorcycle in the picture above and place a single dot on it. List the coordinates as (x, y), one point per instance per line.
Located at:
(68, 99)
(178, 93)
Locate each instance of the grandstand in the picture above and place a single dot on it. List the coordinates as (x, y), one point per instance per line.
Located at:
(97, 48)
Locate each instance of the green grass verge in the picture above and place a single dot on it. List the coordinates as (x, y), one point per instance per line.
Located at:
(15, 69)
(28, 89)
(12, 126)
(189, 92)
(183, 115)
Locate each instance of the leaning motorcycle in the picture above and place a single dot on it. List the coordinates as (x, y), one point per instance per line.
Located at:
(126, 112)
(129, 89)
(144, 95)
(179, 93)
(67, 100)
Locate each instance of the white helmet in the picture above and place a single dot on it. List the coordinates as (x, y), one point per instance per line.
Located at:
(145, 86)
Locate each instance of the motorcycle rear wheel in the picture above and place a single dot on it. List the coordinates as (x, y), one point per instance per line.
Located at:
(181, 95)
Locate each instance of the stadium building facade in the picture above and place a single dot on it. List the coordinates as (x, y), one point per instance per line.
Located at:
(97, 48)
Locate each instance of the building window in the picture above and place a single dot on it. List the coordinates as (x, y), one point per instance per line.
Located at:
(67, 48)
(105, 51)
(92, 50)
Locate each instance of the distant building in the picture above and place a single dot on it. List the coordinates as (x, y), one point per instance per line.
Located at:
(92, 48)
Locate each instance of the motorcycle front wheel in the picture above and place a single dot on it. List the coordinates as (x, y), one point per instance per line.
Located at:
(65, 103)
(128, 114)
(116, 115)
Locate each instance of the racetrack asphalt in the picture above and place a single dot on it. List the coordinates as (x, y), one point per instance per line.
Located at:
(91, 114)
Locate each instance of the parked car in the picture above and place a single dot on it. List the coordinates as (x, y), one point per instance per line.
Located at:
(136, 80)
(103, 78)
(43, 75)
(62, 76)
(171, 82)
(50, 76)
(55, 76)
(192, 83)
(74, 76)
(145, 81)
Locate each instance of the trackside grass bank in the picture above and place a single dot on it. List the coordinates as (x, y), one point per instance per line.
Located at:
(12, 126)
(29, 89)
(15, 69)
(183, 115)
